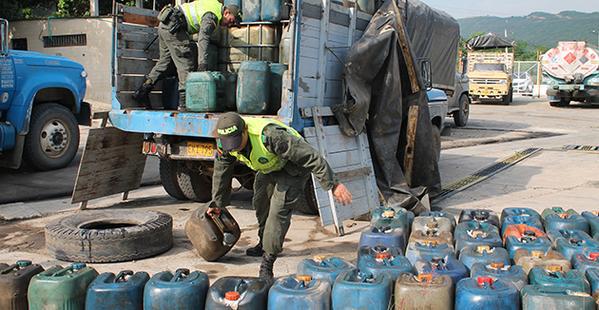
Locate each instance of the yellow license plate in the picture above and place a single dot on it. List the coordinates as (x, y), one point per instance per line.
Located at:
(200, 149)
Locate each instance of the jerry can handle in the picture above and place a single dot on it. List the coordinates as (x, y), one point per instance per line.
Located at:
(179, 274)
(228, 238)
(20, 264)
(122, 276)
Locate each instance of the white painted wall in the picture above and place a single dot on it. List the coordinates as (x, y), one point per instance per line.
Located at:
(95, 57)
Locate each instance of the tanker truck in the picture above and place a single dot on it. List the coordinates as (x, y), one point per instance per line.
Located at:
(572, 72)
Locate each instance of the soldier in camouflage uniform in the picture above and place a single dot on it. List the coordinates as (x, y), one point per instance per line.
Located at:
(283, 161)
(178, 52)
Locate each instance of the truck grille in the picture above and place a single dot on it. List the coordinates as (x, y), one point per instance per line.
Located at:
(485, 81)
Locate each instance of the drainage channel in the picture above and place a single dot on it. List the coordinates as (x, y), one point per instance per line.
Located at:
(484, 174)
(586, 148)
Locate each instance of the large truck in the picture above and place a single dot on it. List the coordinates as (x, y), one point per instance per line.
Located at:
(313, 43)
(490, 66)
(572, 71)
(41, 107)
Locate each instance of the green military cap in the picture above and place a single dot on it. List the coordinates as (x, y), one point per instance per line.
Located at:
(229, 128)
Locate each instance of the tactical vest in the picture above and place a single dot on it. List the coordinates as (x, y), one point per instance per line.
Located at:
(194, 11)
(261, 159)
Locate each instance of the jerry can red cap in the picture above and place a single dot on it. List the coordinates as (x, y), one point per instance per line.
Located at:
(594, 255)
(389, 213)
(497, 265)
(425, 277)
(564, 215)
(484, 280)
(232, 296)
(382, 255)
(554, 268)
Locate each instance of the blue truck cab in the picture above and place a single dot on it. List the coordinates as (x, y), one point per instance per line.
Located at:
(41, 106)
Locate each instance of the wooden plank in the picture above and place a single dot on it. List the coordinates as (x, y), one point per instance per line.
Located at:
(152, 53)
(112, 163)
(139, 16)
(134, 66)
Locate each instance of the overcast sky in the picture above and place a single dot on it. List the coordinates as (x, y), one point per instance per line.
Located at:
(469, 8)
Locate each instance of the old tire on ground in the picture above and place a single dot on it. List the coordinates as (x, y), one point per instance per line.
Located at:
(460, 117)
(194, 185)
(100, 236)
(436, 141)
(53, 137)
(168, 177)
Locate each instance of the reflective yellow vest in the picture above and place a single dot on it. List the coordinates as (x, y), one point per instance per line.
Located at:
(194, 11)
(261, 159)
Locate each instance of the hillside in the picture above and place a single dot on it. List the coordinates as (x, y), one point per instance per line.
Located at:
(539, 28)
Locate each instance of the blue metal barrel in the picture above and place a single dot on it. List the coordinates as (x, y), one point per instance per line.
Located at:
(486, 293)
(419, 250)
(355, 289)
(557, 218)
(253, 87)
(299, 292)
(238, 293)
(479, 215)
(521, 220)
(122, 291)
(474, 233)
(322, 267)
(593, 219)
(507, 212)
(486, 254)
(447, 265)
(553, 276)
(381, 260)
(586, 260)
(251, 10)
(535, 297)
(183, 290)
(271, 10)
(510, 273)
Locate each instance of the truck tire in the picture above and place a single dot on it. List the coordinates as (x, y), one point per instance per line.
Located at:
(561, 103)
(307, 205)
(460, 117)
(194, 185)
(168, 177)
(436, 141)
(511, 94)
(53, 138)
(102, 236)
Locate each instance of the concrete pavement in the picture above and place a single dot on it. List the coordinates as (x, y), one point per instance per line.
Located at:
(550, 178)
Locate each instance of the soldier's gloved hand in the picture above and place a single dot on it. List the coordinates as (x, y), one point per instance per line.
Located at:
(213, 211)
(342, 194)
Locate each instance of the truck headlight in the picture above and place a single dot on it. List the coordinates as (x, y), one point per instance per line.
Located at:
(83, 74)
(594, 81)
(502, 82)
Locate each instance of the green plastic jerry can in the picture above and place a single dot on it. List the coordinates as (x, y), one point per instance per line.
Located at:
(204, 92)
(61, 288)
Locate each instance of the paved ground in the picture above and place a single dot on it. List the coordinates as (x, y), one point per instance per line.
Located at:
(551, 177)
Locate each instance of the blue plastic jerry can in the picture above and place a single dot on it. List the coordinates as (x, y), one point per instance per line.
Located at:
(381, 260)
(299, 292)
(486, 254)
(486, 293)
(553, 276)
(355, 289)
(184, 290)
(323, 267)
(498, 270)
(122, 291)
(440, 266)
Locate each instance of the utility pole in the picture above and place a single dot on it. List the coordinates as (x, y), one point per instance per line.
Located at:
(597, 32)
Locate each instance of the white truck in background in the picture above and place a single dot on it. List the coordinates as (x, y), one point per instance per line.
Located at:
(572, 72)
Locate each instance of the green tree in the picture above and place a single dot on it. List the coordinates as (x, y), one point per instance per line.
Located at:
(72, 8)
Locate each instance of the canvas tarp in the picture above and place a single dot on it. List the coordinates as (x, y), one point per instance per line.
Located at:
(381, 87)
(489, 41)
(434, 35)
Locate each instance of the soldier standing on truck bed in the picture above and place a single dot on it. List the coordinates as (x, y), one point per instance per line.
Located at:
(283, 161)
(177, 49)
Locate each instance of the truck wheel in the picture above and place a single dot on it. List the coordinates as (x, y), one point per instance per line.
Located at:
(460, 117)
(168, 176)
(506, 100)
(436, 141)
(308, 204)
(194, 185)
(101, 236)
(53, 137)
(561, 103)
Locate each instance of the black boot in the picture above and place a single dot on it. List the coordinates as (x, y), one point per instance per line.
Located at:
(268, 261)
(256, 251)
(142, 94)
(182, 107)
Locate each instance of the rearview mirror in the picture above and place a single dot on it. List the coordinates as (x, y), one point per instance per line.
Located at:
(464, 64)
(426, 72)
(3, 36)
